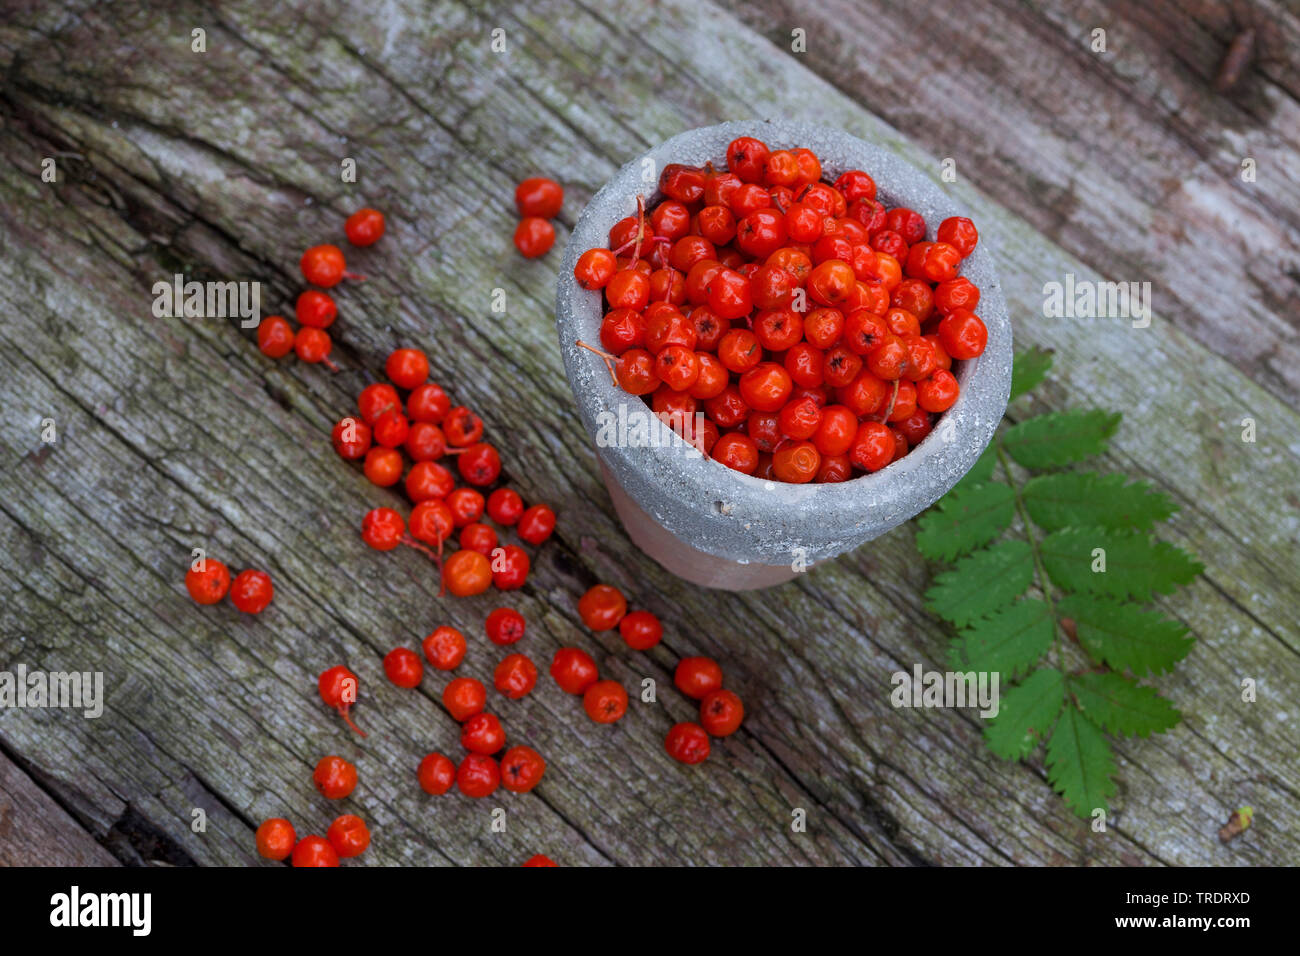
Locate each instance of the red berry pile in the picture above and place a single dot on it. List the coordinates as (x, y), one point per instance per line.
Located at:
(346, 837)
(538, 200)
(790, 328)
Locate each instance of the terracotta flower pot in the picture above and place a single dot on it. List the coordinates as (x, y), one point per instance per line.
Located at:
(714, 526)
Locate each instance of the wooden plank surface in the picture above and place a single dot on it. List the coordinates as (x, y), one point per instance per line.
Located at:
(177, 434)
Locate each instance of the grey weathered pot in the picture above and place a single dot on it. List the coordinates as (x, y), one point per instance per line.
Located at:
(708, 523)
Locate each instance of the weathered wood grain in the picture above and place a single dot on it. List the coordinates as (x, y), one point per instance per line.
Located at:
(176, 434)
(36, 831)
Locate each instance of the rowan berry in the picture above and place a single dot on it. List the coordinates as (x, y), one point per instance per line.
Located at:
(595, 268)
(482, 734)
(796, 462)
(314, 851)
(316, 309)
(539, 196)
(209, 583)
(382, 529)
(960, 233)
(383, 466)
(536, 524)
(534, 237)
(478, 776)
(403, 667)
(856, 185)
(505, 625)
(364, 227)
(444, 648)
(275, 838)
(426, 403)
(464, 697)
(908, 223)
(962, 334)
(721, 712)
(324, 266)
(602, 607)
(605, 701)
(504, 506)
(515, 676)
(466, 506)
(736, 451)
(746, 157)
(538, 859)
(641, 630)
(687, 743)
(334, 777)
(391, 429)
(436, 774)
(425, 442)
(407, 368)
(351, 438)
(251, 591)
(479, 464)
(522, 769)
(937, 393)
(338, 688)
(313, 346)
(467, 573)
(376, 400)
(509, 565)
(275, 337)
(873, 447)
(462, 427)
(573, 670)
(348, 836)
(697, 676)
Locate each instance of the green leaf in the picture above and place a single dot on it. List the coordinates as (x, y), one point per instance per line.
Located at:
(1029, 369)
(980, 472)
(1025, 714)
(1080, 763)
(1119, 706)
(982, 582)
(1010, 641)
(1136, 565)
(1123, 636)
(965, 519)
(1060, 438)
(1086, 499)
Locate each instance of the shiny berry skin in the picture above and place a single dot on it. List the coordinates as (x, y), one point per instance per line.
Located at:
(836, 430)
(539, 859)
(505, 625)
(677, 367)
(687, 743)
(889, 359)
(314, 851)
(432, 522)
(425, 442)
(377, 400)
(504, 506)
(800, 418)
(466, 506)
(573, 670)
(746, 158)
(697, 677)
(509, 567)
(766, 387)
(682, 183)
(444, 648)
(933, 262)
(323, 265)
(515, 676)
(958, 293)
(602, 607)
(407, 368)
(739, 350)
(437, 774)
(522, 769)
(348, 836)
(915, 296)
(873, 447)
(889, 242)
(316, 309)
(605, 701)
(403, 667)
(712, 378)
(275, 838)
(539, 196)
(622, 329)
(796, 462)
(391, 429)
(761, 233)
(383, 466)
(209, 585)
(479, 464)
(907, 223)
(635, 370)
(478, 776)
(960, 233)
(312, 345)
(364, 227)
(823, 327)
(427, 403)
(831, 282)
(738, 452)
(834, 468)
(462, 427)
(251, 591)
(855, 185)
(628, 289)
(721, 713)
(962, 334)
(338, 688)
(467, 573)
(641, 630)
(536, 524)
(428, 480)
(729, 295)
(482, 734)
(534, 237)
(335, 778)
(937, 393)
(595, 268)
(778, 329)
(464, 697)
(275, 337)
(351, 438)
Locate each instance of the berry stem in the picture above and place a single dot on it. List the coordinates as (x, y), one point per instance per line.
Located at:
(347, 719)
(892, 399)
(1040, 570)
(608, 359)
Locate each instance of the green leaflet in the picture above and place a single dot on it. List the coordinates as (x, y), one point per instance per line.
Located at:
(1136, 565)
(1025, 714)
(980, 472)
(1123, 636)
(965, 519)
(1009, 641)
(1080, 763)
(982, 582)
(1119, 706)
(1060, 438)
(1085, 499)
(1028, 370)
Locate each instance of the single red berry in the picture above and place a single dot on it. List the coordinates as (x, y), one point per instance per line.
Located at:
(721, 713)
(431, 522)
(464, 697)
(335, 778)
(482, 734)
(444, 648)
(595, 268)
(510, 566)
(466, 506)
(938, 392)
(958, 293)
(275, 337)
(736, 451)
(209, 583)
(275, 838)
(933, 262)
(407, 368)
(960, 233)
(316, 309)
(338, 688)
(505, 625)
(428, 480)
(504, 506)
(534, 237)
(538, 859)
(478, 776)
(462, 427)
(382, 529)
(536, 524)
(314, 851)
(436, 774)
(348, 835)
(873, 447)
(521, 769)
(364, 227)
(467, 573)
(479, 464)
(427, 403)
(687, 743)
(855, 185)
(963, 334)
(403, 667)
(351, 438)
(602, 607)
(796, 462)
(605, 701)
(573, 670)
(425, 442)
(323, 265)
(251, 591)
(641, 630)
(313, 346)
(391, 429)
(479, 537)
(377, 399)
(907, 223)
(383, 466)
(697, 676)
(515, 676)
(539, 196)
(746, 157)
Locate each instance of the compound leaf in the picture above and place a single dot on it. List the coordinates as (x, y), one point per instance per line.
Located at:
(982, 582)
(1119, 706)
(1060, 438)
(1080, 763)
(1029, 369)
(1128, 565)
(1009, 641)
(1123, 636)
(1085, 499)
(965, 518)
(1025, 714)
